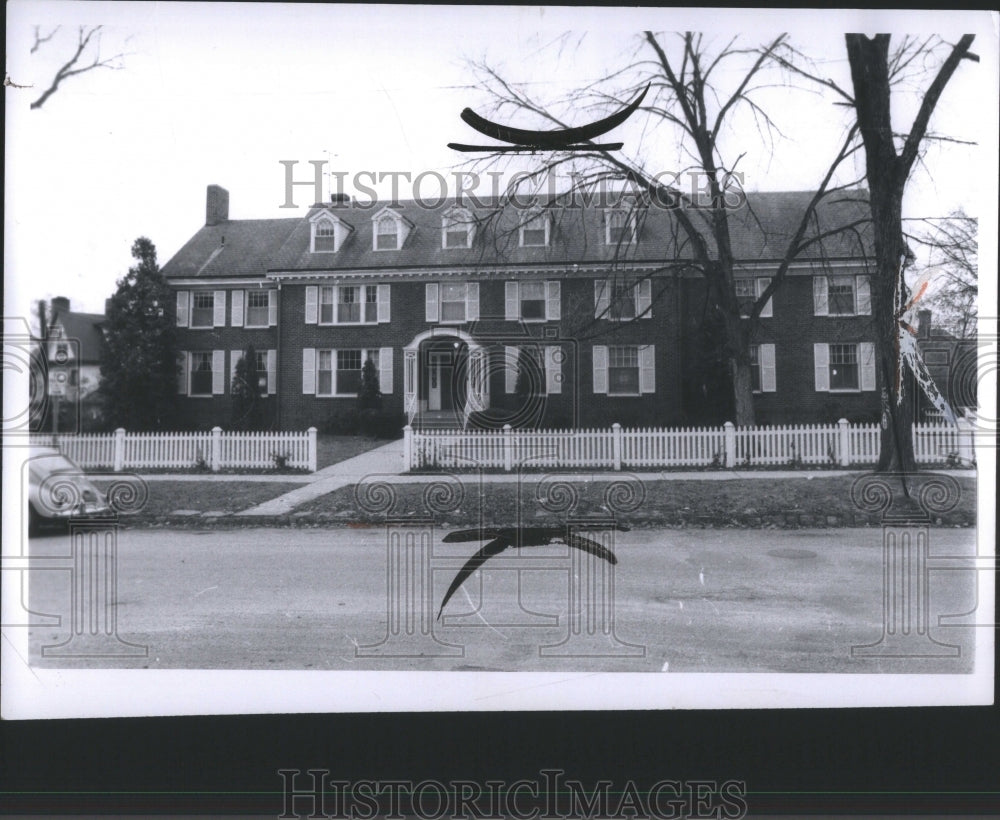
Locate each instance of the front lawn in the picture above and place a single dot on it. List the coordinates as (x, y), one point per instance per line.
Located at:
(740, 502)
(167, 497)
(334, 449)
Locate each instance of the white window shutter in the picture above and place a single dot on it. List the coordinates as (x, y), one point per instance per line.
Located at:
(182, 375)
(234, 359)
(183, 309)
(385, 371)
(272, 308)
(644, 298)
(553, 301)
(309, 371)
(383, 304)
(866, 358)
(509, 369)
(472, 302)
(218, 372)
(312, 304)
(767, 381)
(821, 306)
(600, 368)
(511, 311)
(602, 300)
(863, 291)
(647, 369)
(553, 369)
(237, 308)
(821, 363)
(768, 310)
(219, 309)
(431, 302)
(272, 372)
(335, 290)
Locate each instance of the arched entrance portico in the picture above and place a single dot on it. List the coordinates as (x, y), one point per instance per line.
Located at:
(444, 375)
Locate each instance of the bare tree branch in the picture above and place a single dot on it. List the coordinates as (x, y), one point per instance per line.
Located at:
(73, 66)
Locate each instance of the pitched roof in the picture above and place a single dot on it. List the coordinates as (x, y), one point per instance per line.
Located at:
(236, 247)
(83, 327)
(759, 230)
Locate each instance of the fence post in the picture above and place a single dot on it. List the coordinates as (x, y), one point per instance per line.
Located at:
(508, 448)
(966, 441)
(730, 433)
(119, 454)
(844, 446)
(407, 448)
(616, 444)
(216, 449)
(312, 449)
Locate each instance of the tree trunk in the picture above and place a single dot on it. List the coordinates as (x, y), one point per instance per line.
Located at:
(869, 59)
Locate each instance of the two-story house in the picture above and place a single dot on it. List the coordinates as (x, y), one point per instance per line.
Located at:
(548, 315)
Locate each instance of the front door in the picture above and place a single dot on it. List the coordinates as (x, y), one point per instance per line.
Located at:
(440, 372)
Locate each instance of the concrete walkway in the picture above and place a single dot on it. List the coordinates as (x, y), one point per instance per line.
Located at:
(382, 461)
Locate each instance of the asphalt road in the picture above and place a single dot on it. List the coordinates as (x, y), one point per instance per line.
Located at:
(681, 601)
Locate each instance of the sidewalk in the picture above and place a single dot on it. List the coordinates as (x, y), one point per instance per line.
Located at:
(382, 461)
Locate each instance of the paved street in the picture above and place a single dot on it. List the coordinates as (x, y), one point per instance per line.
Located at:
(681, 601)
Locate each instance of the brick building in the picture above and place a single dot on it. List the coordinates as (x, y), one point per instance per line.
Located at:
(552, 317)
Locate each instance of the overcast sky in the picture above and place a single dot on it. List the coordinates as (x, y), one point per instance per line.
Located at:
(220, 93)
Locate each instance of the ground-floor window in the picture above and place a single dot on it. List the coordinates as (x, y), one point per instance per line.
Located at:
(844, 367)
(338, 372)
(201, 373)
(623, 370)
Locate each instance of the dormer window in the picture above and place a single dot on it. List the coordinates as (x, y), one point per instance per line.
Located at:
(386, 234)
(619, 227)
(328, 233)
(389, 230)
(457, 229)
(535, 232)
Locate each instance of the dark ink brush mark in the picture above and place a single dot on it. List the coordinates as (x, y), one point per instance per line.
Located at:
(505, 537)
(560, 139)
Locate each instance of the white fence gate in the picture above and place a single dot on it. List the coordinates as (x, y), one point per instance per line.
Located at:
(214, 449)
(840, 444)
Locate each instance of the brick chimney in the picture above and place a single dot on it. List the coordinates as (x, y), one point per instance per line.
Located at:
(216, 205)
(60, 304)
(923, 324)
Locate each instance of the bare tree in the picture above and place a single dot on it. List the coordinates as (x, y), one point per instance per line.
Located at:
(954, 246)
(85, 57)
(888, 167)
(688, 96)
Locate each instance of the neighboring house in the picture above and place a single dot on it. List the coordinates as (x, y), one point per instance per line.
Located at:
(444, 300)
(74, 362)
(952, 364)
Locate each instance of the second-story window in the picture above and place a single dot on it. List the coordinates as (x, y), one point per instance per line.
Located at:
(202, 308)
(258, 306)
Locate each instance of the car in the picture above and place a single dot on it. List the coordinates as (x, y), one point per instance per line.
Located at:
(58, 490)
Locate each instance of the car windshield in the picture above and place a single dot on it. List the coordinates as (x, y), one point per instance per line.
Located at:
(46, 465)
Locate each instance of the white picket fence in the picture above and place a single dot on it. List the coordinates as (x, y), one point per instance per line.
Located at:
(214, 449)
(616, 448)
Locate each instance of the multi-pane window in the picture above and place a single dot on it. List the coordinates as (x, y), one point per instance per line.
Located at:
(844, 367)
(619, 227)
(355, 304)
(532, 296)
(534, 232)
(201, 373)
(840, 295)
(623, 370)
(338, 373)
(456, 234)
(258, 303)
(386, 234)
(202, 308)
(325, 236)
(623, 296)
(746, 294)
(453, 298)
